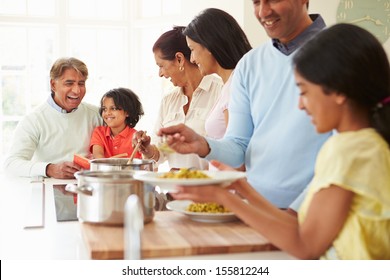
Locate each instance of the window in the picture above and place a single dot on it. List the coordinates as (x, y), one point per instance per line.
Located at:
(113, 38)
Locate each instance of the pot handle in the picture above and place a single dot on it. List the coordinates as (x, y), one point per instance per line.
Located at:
(81, 189)
(134, 224)
(71, 188)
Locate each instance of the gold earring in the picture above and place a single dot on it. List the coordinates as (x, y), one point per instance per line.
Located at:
(181, 68)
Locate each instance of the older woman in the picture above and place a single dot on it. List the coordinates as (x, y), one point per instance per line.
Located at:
(190, 101)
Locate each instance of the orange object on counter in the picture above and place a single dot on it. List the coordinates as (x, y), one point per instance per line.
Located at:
(82, 161)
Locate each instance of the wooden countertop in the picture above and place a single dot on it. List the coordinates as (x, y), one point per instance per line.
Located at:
(173, 234)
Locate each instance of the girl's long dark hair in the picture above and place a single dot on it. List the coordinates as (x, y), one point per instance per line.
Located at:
(348, 59)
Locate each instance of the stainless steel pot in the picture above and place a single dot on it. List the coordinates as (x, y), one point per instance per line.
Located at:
(102, 196)
(110, 164)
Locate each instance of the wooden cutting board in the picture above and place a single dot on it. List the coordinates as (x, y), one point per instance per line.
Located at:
(173, 234)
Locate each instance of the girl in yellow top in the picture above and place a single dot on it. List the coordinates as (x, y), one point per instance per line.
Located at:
(344, 77)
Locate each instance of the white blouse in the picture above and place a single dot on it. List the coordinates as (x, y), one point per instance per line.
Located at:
(172, 113)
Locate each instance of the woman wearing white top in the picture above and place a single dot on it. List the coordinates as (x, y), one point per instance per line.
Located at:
(189, 103)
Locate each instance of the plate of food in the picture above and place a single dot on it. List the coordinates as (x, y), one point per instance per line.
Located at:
(202, 212)
(189, 177)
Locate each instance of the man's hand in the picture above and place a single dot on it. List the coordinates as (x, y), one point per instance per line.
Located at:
(184, 140)
(64, 170)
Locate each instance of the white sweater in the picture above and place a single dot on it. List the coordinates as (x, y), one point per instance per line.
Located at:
(48, 136)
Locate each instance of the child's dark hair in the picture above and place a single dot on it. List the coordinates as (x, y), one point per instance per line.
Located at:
(126, 100)
(348, 59)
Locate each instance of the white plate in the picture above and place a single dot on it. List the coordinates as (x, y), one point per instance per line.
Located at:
(224, 178)
(181, 206)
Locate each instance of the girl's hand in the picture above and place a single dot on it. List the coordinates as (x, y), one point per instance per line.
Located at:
(221, 166)
(210, 193)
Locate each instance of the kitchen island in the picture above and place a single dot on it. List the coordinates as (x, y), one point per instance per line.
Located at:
(66, 240)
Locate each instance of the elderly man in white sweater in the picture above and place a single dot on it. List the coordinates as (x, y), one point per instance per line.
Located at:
(46, 140)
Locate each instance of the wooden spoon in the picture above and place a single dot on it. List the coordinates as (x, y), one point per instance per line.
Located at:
(135, 150)
(133, 153)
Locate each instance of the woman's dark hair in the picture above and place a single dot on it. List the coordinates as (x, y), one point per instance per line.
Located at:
(220, 33)
(171, 42)
(126, 100)
(350, 60)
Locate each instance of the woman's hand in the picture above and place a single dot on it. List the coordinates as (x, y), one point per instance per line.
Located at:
(148, 150)
(145, 141)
